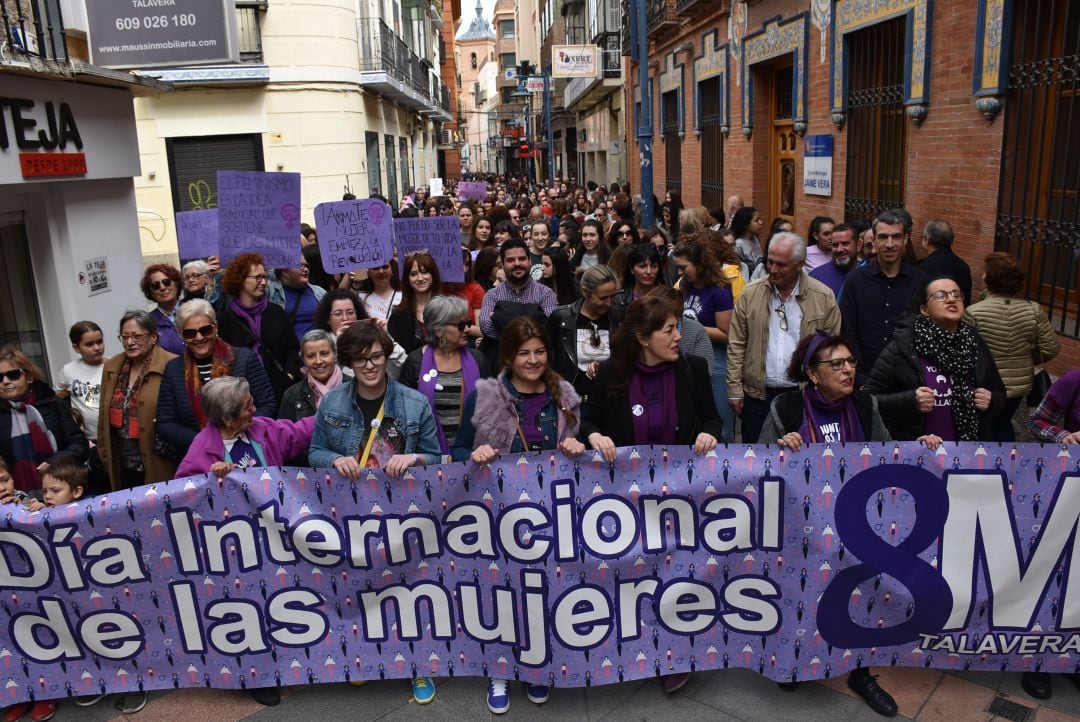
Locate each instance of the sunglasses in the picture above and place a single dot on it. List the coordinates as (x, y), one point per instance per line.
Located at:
(163, 283)
(783, 317)
(462, 325)
(626, 233)
(12, 375)
(205, 331)
(594, 336)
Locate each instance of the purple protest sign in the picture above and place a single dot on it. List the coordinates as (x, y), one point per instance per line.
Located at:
(564, 572)
(437, 236)
(260, 212)
(354, 234)
(197, 234)
(472, 190)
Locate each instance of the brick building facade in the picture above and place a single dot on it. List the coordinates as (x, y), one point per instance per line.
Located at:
(961, 111)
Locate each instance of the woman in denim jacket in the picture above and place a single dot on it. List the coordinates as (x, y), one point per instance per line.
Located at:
(528, 407)
(401, 417)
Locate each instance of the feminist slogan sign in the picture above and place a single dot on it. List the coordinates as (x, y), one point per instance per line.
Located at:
(797, 565)
(354, 234)
(260, 213)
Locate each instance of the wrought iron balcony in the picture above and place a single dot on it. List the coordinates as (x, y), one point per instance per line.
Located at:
(32, 31)
(688, 7)
(390, 68)
(627, 18)
(660, 16)
(611, 49)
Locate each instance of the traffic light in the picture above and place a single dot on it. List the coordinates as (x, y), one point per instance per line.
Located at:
(523, 149)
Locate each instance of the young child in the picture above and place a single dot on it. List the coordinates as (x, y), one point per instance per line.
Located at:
(62, 483)
(8, 493)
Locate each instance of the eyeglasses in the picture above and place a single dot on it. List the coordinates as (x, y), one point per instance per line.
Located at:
(163, 283)
(261, 278)
(462, 325)
(205, 331)
(344, 313)
(783, 317)
(12, 375)
(376, 360)
(133, 337)
(942, 295)
(837, 364)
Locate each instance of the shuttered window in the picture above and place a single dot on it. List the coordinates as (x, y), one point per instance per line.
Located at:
(194, 163)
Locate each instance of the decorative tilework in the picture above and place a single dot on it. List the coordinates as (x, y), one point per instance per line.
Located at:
(776, 38)
(992, 30)
(672, 80)
(714, 61)
(851, 15)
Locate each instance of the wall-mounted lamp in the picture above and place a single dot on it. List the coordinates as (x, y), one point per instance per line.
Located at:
(280, 166)
(151, 174)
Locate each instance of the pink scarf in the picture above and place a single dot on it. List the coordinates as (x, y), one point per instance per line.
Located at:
(320, 389)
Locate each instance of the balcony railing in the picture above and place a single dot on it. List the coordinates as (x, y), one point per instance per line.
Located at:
(444, 96)
(627, 18)
(660, 15)
(32, 30)
(381, 51)
(610, 45)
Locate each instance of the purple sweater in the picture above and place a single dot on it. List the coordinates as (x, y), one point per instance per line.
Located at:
(277, 439)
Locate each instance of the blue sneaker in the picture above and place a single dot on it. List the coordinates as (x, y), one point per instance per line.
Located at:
(423, 690)
(538, 693)
(498, 699)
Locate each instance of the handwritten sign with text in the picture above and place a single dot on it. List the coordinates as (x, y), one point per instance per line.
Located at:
(260, 212)
(469, 190)
(439, 237)
(197, 234)
(354, 234)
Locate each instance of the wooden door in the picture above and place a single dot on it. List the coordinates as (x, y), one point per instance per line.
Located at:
(783, 142)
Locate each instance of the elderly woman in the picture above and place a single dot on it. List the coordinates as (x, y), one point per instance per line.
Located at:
(234, 436)
(127, 422)
(936, 378)
(829, 410)
(318, 350)
(198, 279)
(161, 284)
(36, 426)
(1015, 330)
(249, 320)
(180, 415)
(445, 370)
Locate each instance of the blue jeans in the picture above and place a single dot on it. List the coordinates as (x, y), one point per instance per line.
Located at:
(719, 390)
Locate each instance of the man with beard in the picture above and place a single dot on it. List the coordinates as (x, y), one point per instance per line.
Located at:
(832, 274)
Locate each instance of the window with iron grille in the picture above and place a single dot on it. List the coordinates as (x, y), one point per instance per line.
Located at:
(876, 128)
(1038, 215)
(712, 144)
(672, 143)
(391, 170)
(371, 141)
(403, 158)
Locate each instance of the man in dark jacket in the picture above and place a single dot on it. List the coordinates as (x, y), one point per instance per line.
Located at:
(937, 240)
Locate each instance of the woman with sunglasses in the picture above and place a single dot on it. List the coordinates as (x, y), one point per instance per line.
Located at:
(180, 415)
(161, 284)
(248, 320)
(445, 370)
(581, 331)
(130, 390)
(622, 233)
(471, 291)
(36, 426)
(829, 410)
(936, 380)
(529, 407)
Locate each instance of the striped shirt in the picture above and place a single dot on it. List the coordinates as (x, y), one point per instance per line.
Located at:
(448, 403)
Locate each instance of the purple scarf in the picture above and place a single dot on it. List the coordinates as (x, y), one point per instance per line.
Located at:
(252, 315)
(650, 382)
(429, 375)
(850, 428)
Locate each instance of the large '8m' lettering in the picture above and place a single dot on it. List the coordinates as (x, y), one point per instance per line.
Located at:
(932, 596)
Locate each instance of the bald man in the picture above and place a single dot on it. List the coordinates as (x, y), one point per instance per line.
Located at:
(734, 203)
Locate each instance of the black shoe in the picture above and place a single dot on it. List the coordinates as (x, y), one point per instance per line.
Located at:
(866, 686)
(788, 686)
(1037, 684)
(266, 696)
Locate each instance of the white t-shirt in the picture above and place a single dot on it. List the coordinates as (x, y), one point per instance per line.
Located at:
(376, 307)
(84, 383)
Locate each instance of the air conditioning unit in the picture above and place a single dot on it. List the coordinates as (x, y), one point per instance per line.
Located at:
(446, 137)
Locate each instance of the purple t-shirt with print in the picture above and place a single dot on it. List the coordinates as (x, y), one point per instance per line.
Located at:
(940, 419)
(704, 303)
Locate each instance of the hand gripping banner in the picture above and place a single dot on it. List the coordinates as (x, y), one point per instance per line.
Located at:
(540, 568)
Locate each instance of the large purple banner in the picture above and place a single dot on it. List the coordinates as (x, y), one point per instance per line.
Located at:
(798, 565)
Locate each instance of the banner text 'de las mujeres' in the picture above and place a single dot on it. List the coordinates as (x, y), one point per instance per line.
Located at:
(550, 570)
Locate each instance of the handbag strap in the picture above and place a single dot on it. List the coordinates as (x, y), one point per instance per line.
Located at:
(1036, 353)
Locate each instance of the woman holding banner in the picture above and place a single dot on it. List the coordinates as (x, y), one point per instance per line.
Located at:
(528, 407)
(445, 370)
(373, 421)
(406, 324)
(829, 410)
(649, 393)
